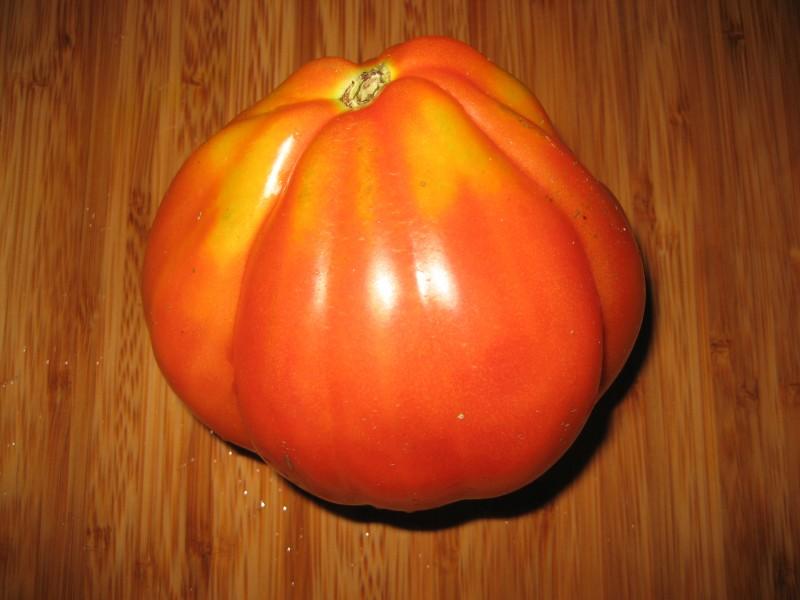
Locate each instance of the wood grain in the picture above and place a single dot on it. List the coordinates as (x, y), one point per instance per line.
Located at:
(685, 482)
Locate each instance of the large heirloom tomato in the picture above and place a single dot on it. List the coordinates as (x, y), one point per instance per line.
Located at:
(393, 281)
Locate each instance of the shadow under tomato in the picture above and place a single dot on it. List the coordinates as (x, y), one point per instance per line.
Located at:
(540, 492)
(535, 495)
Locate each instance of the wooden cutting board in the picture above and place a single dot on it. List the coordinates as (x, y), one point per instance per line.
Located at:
(684, 483)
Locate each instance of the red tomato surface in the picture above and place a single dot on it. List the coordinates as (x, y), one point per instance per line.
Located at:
(393, 281)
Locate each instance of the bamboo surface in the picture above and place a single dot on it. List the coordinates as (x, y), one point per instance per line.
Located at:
(684, 483)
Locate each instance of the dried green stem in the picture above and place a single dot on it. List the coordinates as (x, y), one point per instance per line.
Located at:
(362, 90)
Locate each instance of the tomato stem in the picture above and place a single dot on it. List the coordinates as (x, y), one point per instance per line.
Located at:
(362, 90)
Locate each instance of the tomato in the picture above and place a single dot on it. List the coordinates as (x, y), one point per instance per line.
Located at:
(393, 281)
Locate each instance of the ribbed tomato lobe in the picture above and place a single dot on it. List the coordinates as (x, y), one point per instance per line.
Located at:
(395, 302)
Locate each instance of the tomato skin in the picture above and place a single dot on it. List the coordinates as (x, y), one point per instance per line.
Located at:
(404, 304)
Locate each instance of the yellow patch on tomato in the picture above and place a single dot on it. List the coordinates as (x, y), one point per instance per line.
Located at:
(247, 195)
(447, 153)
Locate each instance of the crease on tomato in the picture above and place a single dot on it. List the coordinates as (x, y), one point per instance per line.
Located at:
(432, 52)
(468, 118)
(567, 182)
(186, 272)
(240, 317)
